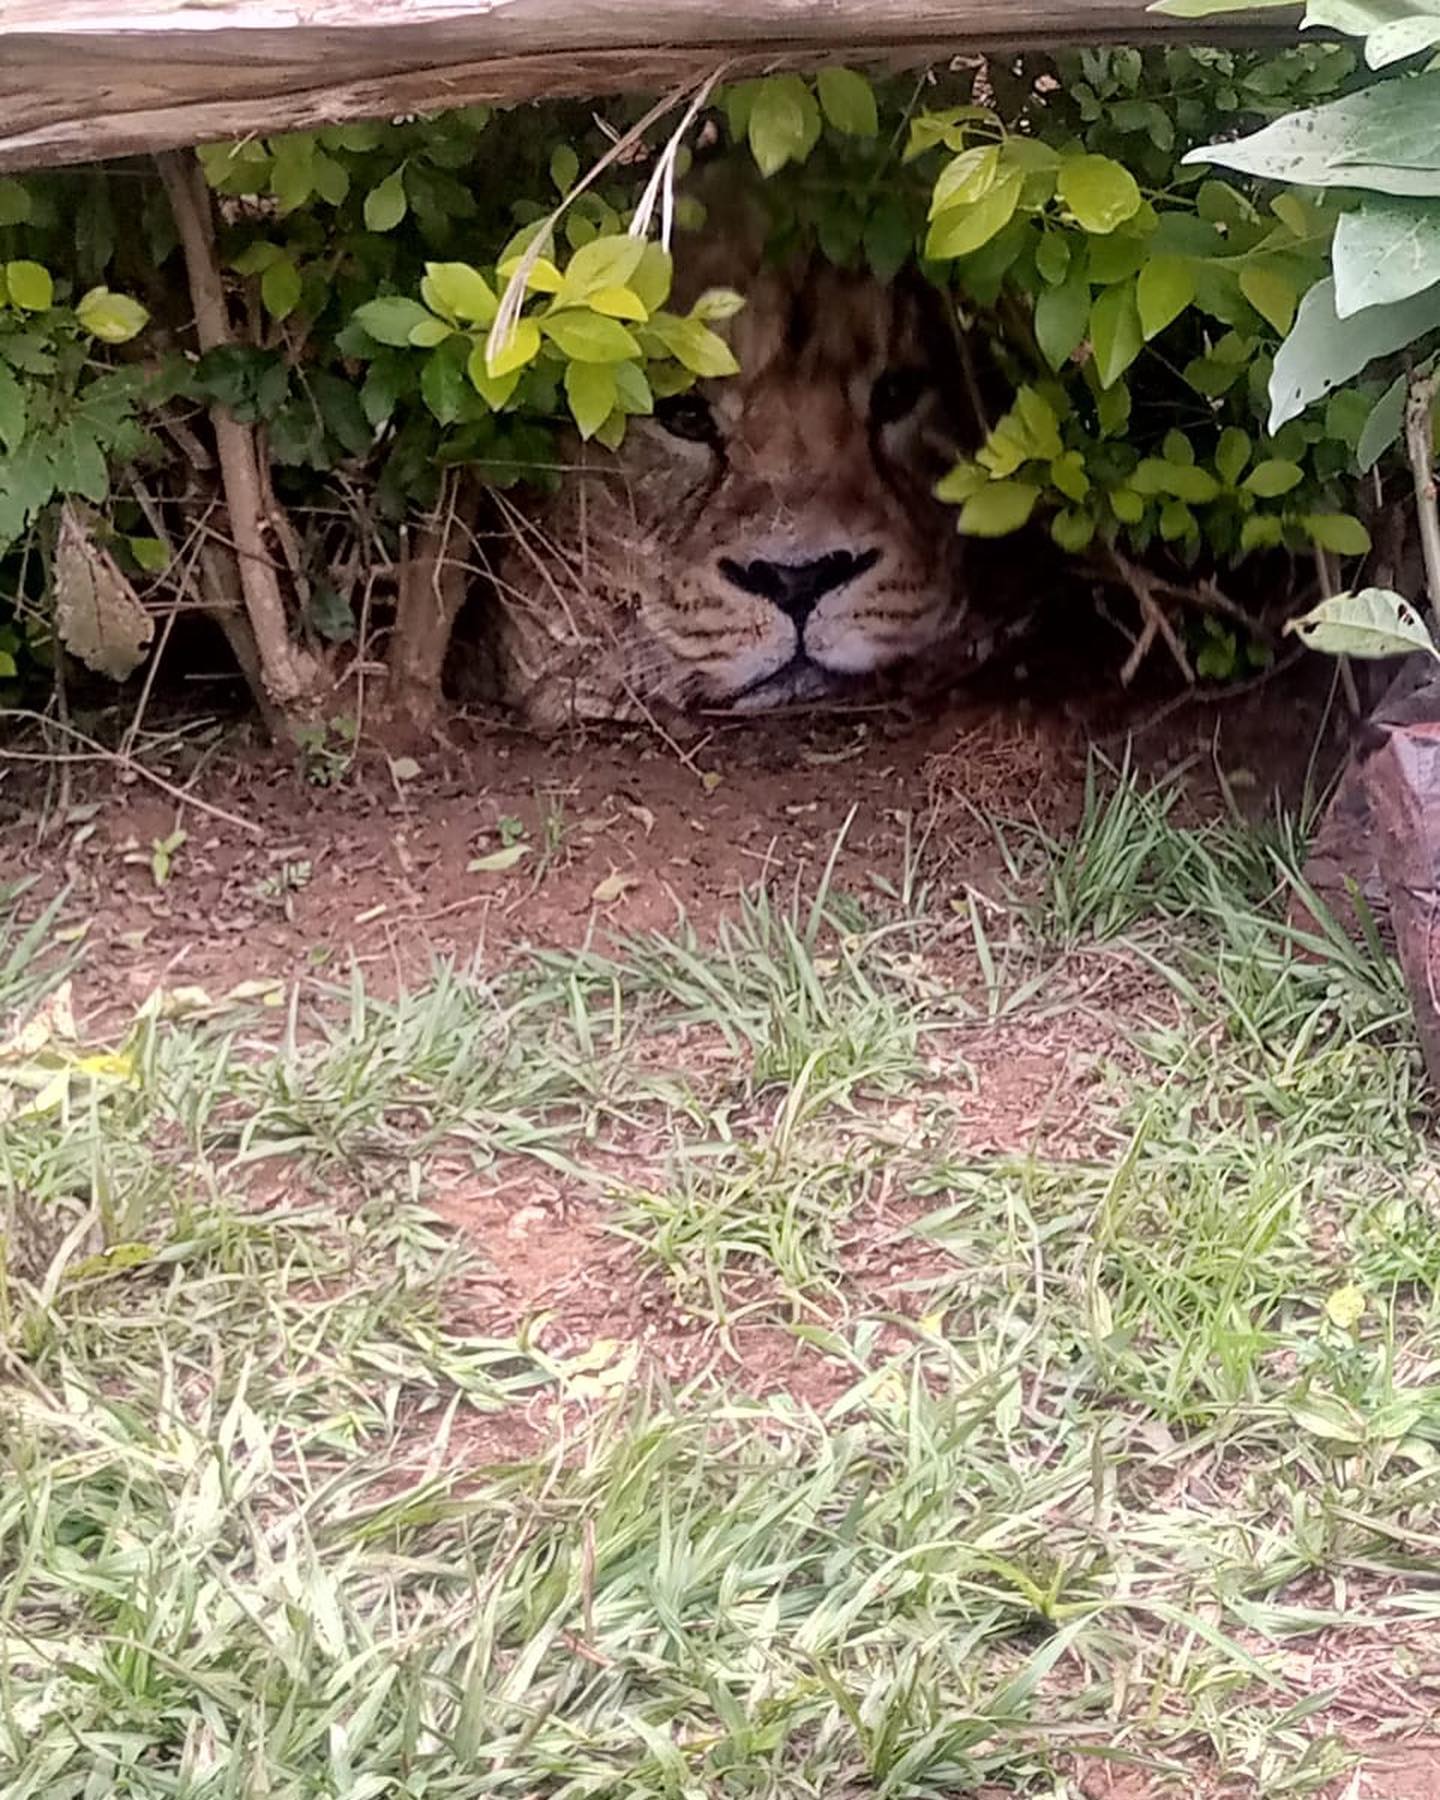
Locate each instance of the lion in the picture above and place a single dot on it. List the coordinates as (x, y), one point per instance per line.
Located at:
(766, 538)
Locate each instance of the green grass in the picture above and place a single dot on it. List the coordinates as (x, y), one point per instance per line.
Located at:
(1121, 1435)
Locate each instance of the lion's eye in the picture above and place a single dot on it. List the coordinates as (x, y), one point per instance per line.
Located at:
(895, 394)
(688, 416)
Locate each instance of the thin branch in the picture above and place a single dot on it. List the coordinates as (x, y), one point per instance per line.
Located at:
(95, 751)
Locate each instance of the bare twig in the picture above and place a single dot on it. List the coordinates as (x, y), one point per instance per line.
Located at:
(1155, 621)
(95, 751)
(1325, 577)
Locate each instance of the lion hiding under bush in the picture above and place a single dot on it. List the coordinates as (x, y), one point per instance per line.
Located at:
(770, 537)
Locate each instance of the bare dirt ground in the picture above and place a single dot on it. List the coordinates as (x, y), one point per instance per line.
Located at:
(388, 868)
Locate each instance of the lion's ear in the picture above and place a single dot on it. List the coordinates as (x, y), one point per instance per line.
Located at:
(729, 249)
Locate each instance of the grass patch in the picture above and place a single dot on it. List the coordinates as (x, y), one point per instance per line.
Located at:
(1121, 1443)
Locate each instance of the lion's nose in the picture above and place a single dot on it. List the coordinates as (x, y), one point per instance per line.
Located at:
(798, 588)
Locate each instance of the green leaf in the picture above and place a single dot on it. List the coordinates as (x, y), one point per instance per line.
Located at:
(619, 303)
(1072, 529)
(1272, 296)
(113, 318)
(494, 390)
(592, 392)
(1324, 351)
(1181, 481)
(999, 508)
(390, 320)
(1374, 623)
(1269, 479)
(1067, 474)
(8, 669)
(442, 386)
(1387, 419)
(520, 348)
(1052, 258)
(585, 336)
(694, 346)
(1339, 532)
(12, 412)
(966, 178)
(784, 123)
(1176, 521)
(29, 286)
(605, 262)
(651, 278)
(1264, 531)
(15, 204)
(1385, 251)
(461, 292)
(1163, 289)
(1385, 137)
(280, 288)
(1127, 506)
(427, 333)
(632, 388)
(564, 168)
(965, 479)
(716, 305)
(386, 205)
(963, 229)
(255, 258)
(848, 102)
(1099, 192)
(1062, 315)
(1231, 454)
(1115, 332)
(152, 554)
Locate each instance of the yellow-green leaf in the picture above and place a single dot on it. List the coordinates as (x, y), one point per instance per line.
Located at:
(461, 292)
(1164, 287)
(619, 303)
(280, 288)
(520, 347)
(1099, 192)
(1346, 1307)
(1273, 477)
(848, 102)
(585, 336)
(1272, 296)
(1115, 333)
(113, 318)
(694, 346)
(962, 229)
(1339, 532)
(605, 262)
(998, 508)
(385, 204)
(29, 285)
(966, 178)
(784, 122)
(494, 390)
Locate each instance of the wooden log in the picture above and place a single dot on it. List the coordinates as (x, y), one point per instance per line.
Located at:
(80, 80)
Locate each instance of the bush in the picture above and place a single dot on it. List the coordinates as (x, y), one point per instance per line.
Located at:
(369, 346)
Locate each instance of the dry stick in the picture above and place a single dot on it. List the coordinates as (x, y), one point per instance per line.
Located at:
(1418, 429)
(95, 751)
(288, 670)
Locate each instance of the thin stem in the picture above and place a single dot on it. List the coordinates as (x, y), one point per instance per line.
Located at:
(1419, 400)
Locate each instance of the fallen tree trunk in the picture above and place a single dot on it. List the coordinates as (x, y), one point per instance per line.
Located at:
(80, 80)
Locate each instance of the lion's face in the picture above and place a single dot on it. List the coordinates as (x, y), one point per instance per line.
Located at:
(765, 538)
